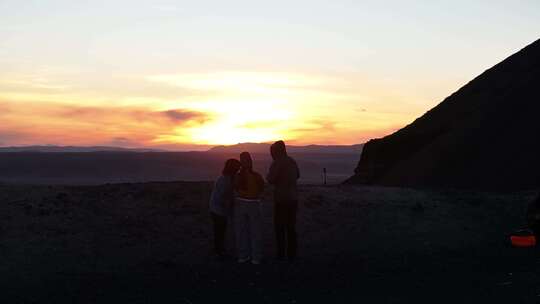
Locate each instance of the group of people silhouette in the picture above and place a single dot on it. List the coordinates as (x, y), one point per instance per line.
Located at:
(237, 195)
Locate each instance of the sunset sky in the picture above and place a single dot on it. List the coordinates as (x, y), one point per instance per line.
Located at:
(186, 75)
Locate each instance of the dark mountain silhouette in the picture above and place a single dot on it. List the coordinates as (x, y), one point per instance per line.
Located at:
(265, 148)
(59, 149)
(484, 136)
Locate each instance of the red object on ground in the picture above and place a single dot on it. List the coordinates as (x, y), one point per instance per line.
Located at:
(523, 240)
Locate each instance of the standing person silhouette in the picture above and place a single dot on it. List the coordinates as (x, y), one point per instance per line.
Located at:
(283, 174)
(220, 205)
(249, 186)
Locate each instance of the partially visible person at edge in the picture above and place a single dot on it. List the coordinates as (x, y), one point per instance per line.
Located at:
(533, 216)
(221, 203)
(249, 186)
(283, 174)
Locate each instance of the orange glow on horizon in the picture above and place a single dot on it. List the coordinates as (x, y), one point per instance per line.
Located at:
(219, 108)
(183, 76)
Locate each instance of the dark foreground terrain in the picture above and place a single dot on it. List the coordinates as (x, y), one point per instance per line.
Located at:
(150, 243)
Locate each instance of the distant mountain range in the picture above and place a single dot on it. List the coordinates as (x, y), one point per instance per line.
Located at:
(105, 165)
(58, 149)
(484, 136)
(265, 148)
(238, 148)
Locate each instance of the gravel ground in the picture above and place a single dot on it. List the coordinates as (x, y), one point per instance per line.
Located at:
(151, 243)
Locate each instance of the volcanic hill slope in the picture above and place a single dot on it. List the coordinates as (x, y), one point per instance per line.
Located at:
(484, 136)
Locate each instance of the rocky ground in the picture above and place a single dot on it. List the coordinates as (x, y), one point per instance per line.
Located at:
(151, 243)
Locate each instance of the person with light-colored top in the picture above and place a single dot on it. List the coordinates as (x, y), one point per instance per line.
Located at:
(221, 204)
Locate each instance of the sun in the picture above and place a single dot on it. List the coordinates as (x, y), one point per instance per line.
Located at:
(235, 121)
(243, 121)
(243, 106)
(224, 133)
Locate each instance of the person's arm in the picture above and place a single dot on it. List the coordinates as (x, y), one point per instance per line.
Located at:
(271, 177)
(236, 183)
(260, 184)
(228, 197)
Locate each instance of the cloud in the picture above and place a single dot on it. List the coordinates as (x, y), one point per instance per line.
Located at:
(318, 125)
(179, 116)
(123, 142)
(4, 108)
(14, 137)
(81, 112)
(132, 126)
(143, 115)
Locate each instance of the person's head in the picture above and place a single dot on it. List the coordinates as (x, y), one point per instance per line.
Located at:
(231, 167)
(278, 149)
(246, 161)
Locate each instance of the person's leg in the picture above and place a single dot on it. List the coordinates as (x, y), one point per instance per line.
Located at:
(255, 228)
(292, 245)
(220, 226)
(241, 229)
(224, 234)
(216, 231)
(279, 227)
(220, 236)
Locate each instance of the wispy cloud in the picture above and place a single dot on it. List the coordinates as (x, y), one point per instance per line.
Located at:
(123, 142)
(136, 114)
(180, 116)
(123, 126)
(317, 126)
(10, 137)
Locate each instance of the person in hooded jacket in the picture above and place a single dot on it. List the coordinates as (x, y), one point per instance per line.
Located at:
(249, 187)
(283, 174)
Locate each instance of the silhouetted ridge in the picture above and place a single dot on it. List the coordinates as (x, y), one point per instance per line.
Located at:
(74, 149)
(265, 148)
(485, 135)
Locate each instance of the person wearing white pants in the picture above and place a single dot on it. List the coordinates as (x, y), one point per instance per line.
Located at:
(248, 230)
(249, 186)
